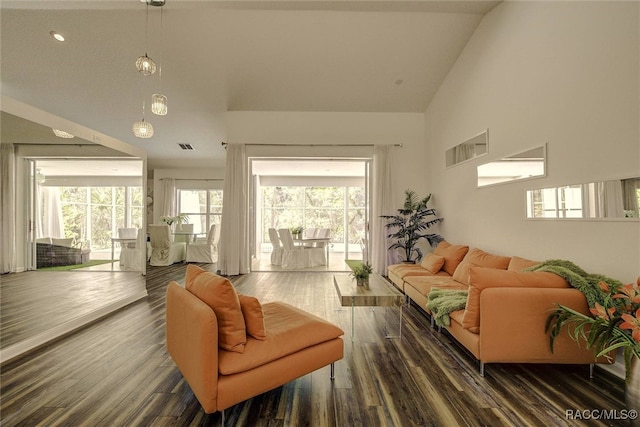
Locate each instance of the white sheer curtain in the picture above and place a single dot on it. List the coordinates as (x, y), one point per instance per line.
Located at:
(610, 199)
(233, 255)
(169, 204)
(8, 259)
(49, 211)
(463, 152)
(629, 190)
(383, 203)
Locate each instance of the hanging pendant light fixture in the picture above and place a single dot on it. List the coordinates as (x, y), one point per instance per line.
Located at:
(142, 129)
(158, 100)
(145, 65)
(159, 104)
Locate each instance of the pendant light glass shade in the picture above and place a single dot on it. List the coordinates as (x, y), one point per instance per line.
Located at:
(142, 129)
(145, 65)
(159, 104)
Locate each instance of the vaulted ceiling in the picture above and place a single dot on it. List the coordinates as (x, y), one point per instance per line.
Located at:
(221, 56)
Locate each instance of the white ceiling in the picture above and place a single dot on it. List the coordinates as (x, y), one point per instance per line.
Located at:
(219, 56)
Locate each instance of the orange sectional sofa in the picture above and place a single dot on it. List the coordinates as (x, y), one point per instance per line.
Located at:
(230, 348)
(506, 310)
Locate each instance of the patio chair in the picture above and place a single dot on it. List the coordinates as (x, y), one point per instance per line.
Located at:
(206, 251)
(163, 250)
(298, 256)
(131, 254)
(276, 253)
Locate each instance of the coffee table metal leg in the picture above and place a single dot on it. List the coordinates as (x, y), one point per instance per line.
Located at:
(352, 309)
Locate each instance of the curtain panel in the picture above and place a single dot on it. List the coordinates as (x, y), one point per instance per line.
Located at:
(383, 203)
(233, 253)
(8, 257)
(169, 203)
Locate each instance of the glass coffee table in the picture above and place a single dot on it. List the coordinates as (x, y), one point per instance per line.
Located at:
(380, 293)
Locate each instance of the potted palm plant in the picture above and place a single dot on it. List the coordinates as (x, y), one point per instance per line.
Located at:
(410, 225)
(614, 324)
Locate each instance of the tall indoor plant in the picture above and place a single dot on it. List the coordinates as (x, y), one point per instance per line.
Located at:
(410, 225)
(614, 324)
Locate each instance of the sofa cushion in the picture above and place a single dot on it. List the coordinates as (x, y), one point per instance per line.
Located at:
(67, 243)
(406, 269)
(519, 264)
(432, 262)
(478, 258)
(289, 330)
(482, 278)
(452, 255)
(253, 316)
(424, 284)
(219, 294)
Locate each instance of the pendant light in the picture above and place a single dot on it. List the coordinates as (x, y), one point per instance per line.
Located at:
(145, 65)
(158, 100)
(142, 129)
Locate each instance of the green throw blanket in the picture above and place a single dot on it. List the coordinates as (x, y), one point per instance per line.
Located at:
(444, 301)
(578, 278)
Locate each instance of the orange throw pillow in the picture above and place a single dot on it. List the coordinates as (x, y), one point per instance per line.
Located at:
(519, 264)
(192, 272)
(219, 294)
(478, 258)
(253, 317)
(481, 278)
(432, 262)
(452, 254)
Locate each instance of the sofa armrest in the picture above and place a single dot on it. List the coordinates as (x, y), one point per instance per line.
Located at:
(192, 342)
(512, 326)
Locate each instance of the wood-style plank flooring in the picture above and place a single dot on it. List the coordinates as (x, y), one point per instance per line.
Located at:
(34, 302)
(117, 372)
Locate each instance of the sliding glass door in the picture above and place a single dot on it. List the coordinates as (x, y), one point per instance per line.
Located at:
(312, 193)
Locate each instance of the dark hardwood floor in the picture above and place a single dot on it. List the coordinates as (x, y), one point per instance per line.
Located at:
(117, 372)
(36, 306)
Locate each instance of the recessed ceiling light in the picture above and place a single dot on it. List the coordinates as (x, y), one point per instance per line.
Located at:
(56, 35)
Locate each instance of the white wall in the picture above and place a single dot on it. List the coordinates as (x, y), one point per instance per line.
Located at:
(565, 73)
(338, 128)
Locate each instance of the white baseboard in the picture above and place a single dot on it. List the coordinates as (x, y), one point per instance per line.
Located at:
(31, 343)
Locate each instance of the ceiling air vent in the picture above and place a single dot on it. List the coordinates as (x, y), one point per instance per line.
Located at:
(185, 146)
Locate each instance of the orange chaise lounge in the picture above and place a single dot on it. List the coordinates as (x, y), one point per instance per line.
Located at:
(229, 347)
